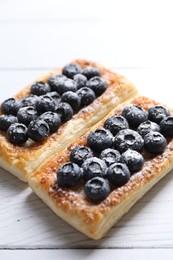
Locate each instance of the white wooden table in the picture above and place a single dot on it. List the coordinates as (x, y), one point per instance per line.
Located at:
(131, 37)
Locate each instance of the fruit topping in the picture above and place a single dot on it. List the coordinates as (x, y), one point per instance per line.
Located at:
(97, 189)
(97, 84)
(155, 142)
(11, 106)
(40, 88)
(116, 123)
(101, 162)
(135, 115)
(80, 153)
(71, 98)
(52, 119)
(68, 85)
(93, 167)
(128, 139)
(55, 95)
(157, 113)
(65, 111)
(146, 127)
(45, 104)
(17, 134)
(63, 94)
(91, 72)
(133, 160)
(71, 69)
(110, 156)
(38, 130)
(100, 139)
(166, 126)
(69, 174)
(56, 81)
(87, 96)
(80, 80)
(30, 101)
(27, 114)
(118, 174)
(6, 121)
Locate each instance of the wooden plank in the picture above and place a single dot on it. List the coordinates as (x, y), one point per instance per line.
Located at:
(88, 254)
(45, 45)
(46, 35)
(55, 9)
(49, 44)
(121, 11)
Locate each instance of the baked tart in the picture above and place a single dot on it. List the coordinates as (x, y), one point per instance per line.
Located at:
(94, 181)
(53, 111)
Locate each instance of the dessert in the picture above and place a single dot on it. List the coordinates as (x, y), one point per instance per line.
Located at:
(54, 110)
(94, 181)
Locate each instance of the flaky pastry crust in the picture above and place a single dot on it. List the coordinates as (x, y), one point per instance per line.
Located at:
(24, 160)
(72, 205)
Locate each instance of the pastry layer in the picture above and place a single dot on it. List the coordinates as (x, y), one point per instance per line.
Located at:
(24, 160)
(72, 205)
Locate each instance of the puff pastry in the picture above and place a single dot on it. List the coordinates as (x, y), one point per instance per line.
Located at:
(22, 161)
(72, 205)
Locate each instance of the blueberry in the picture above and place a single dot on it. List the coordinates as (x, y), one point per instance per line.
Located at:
(146, 127)
(97, 84)
(116, 123)
(65, 111)
(45, 103)
(128, 139)
(71, 69)
(157, 113)
(80, 153)
(30, 101)
(80, 80)
(69, 174)
(91, 72)
(97, 189)
(110, 156)
(68, 85)
(71, 98)
(10, 106)
(135, 115)
(133, 160)
(56, 81)
(118, 174)
(40, 88)
(55, 95)
(52, 119)
(100, 139)
(87, 96)
(27, 114)
(6, 121)
(93, 167)
(38, 130)
(166, 126)
(17, 134)
(154, 142)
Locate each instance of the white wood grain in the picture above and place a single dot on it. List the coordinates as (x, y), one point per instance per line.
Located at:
(55, 9)
(118, 32)
(41, 44)
(88, 254)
